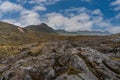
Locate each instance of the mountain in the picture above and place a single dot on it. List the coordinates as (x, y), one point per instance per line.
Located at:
(117, 34)
(99, 33)
(41, 28)
(8, 28)
(92, 33)
(11, 34)
(45, 28)
(65, 33)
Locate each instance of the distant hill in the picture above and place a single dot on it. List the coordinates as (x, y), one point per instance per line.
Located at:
(92, 33)
(41, 28)
(45, 28)
(13, 35)
(118, 34)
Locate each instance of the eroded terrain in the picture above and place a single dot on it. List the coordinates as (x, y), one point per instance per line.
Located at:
(66, 59)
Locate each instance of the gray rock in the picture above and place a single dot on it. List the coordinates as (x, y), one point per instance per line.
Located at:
(27, 77)
(61, 61)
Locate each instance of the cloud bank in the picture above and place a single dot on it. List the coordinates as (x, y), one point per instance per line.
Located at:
(116, 5)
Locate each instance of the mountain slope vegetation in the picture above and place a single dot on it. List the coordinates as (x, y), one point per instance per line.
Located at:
(12, 35)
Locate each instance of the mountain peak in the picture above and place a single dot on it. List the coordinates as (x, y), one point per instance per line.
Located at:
(41, 28)
(44, 24)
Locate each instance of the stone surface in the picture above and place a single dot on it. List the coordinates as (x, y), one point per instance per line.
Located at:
(61, 61)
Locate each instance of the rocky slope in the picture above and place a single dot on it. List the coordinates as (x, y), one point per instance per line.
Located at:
(60, 60)
(41, 28)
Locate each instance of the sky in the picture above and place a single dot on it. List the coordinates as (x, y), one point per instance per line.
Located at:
(71, 15)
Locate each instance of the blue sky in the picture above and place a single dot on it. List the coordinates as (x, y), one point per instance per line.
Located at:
(71, 15)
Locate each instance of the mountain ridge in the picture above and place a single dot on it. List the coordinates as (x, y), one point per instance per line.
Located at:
(76, 33)
(41, 28)
(45, 28)
(11, 34)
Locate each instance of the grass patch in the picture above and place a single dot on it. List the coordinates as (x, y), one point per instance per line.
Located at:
(72, 71)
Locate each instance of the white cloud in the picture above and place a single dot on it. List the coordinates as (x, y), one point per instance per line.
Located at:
(117, 16)
(74, 23)
(10, 7)
(79, 22)
(25, 17)
(55, 20)
(39, 5)
(114, 29)
(84, 20)
(43, 2)
(116, 3)
(29, 18)
(104, 24)
(97, 12)
(39, 8)
(73, 9)
(38, 2)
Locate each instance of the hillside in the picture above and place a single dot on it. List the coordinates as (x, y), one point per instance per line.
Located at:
(10, 33)
(14, 35)
(41, 28)
(9, 28)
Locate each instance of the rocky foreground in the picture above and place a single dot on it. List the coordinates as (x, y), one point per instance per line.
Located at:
(60, 61)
